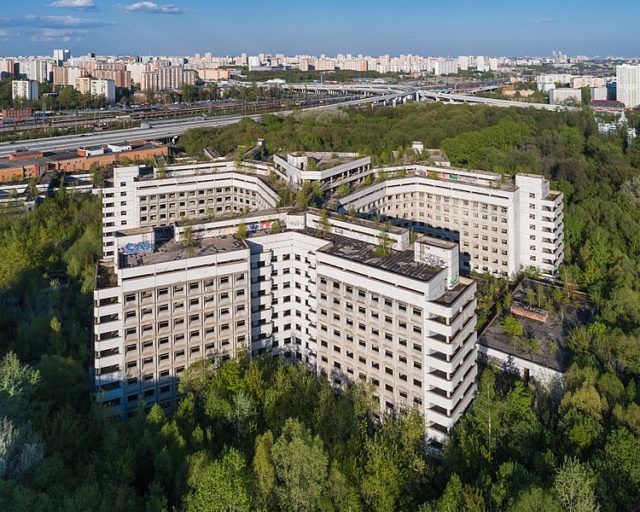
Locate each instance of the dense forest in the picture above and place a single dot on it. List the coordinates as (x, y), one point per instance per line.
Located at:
(266, 435)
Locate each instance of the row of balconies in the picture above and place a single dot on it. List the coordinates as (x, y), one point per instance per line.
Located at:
(449, 399)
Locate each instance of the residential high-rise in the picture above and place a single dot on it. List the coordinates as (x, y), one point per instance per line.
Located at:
(565, 95)
(97, 87)
(61, 56)
(24, 90)
(628, 88)
(102, 87)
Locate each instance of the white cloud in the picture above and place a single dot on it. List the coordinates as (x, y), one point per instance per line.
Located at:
(63, 35)
(74, 4)
(59, 21)
(153, 7)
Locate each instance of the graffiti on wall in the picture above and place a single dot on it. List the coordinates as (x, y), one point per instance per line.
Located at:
(137, 248)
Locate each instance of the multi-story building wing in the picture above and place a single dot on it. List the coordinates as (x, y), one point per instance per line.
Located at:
(329, 169)
(503, 225)
(346, 296)
(143, 197)
(157, 312)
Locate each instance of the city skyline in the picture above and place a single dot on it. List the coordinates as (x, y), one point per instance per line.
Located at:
(180, 27)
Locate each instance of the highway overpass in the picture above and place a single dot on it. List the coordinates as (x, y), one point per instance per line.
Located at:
(468, 98)
(167, 129)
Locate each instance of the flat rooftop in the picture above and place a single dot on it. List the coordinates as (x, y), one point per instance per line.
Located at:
(436, 242)
(325, 160)
(445, 174)
(397, 262)
(5, 163)
(148, 174)
(234, 216)
(435, 155)
(552, 334)
(105, 276)
(173, 250)
(450, 296)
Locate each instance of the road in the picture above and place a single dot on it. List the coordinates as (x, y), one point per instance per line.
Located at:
(171, 128)
(467, 98)
(163, 130)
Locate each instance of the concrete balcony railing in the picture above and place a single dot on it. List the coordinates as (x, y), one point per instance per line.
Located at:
(435, 414)
(440, 379)
(464, 350)
(463, 404)
(459, 374)
(103, 329)
(462, 387)
(437, 396)
(438, 361)
(108, 361)
(107, 375)
(108, 335)
(109, 344)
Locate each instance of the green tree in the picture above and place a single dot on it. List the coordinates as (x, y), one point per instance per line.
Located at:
(187, 240)
(512, 327)
(325, 224)
(537, 500)
(300, 465)
(242, 233)
(220, 486)
(263, 470)
(575, 486)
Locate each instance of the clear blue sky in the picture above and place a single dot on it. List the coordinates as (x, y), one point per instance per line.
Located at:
(425, 27)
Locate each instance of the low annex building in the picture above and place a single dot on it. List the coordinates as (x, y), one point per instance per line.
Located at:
(24, 164)
(350, 298)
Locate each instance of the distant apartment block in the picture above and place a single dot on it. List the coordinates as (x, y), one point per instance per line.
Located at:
(24, 90)
(113, 71)
(167, 78)
(565, 96)
(578, 82)
(97, 87)
(547, 82)
(103, 87)
(628, 89)
(61, 56)
(598, 93)
(67, 75)
(503, 224)
(214, 74)
(316, 292)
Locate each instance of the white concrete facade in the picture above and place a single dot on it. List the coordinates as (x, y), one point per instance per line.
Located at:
(104, 87)
(297, 168)
(628, 85)
(24, 90)
(502, 226)
(565, 95)
(141, 197)
(317, 292)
